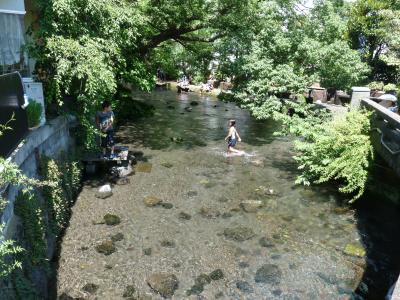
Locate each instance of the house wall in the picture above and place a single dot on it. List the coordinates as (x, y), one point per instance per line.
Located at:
(12, 5)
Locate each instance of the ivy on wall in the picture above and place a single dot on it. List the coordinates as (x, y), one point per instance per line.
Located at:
(29, 209)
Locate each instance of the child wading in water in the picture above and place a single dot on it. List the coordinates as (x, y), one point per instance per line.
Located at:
(233, 137)
(105, 121)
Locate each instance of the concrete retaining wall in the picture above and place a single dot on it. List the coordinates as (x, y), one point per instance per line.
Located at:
(51, 140)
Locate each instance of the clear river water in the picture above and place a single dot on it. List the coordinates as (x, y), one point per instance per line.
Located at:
(226, 227)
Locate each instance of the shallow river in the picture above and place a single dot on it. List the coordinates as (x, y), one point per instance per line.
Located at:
(242, 217)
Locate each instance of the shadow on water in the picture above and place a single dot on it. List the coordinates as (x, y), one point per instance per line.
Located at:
(379, 225)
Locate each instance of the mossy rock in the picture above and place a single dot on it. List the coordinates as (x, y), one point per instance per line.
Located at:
(117, 237)
(106, 248)
(167, 205)
(239, 233)
(129, 291)
(90, 288)
(168, 244)
(111, 219)
(354, 250)
(203, 279)
(217, 274)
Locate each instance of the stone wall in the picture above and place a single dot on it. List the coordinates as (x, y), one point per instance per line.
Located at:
(51, 140)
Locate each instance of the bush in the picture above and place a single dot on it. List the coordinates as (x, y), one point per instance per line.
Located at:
(376, 85)
(34, 112)
(390, 87)
(338, 150)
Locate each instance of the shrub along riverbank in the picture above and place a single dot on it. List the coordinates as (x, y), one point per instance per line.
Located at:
(44, 213)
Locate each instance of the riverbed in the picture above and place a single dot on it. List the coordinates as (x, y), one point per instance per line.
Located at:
(220, 227)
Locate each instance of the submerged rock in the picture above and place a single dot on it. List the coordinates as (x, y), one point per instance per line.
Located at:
(192, 193)
(196, 289)
(168, 244)
(147, 251)
(199, 284)
(117, 237)
(163, 283)
(217, 274)
(188, 109)
(90, 288)
(244, 286)
(167, 165)
(111, 219)
(104, 192)
(268, 273)
(265, 242)
(239, 233)
(203, 279)
(194, 103)
(129, 291)
(184, 216)
(354, 250)
(166, 205)
(251, 206)
(226, 215)
(151, 201)
(106, 248)
(209, 213)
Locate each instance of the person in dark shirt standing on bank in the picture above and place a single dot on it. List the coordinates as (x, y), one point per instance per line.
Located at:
(105, 122)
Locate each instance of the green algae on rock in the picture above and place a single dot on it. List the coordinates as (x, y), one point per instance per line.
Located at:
(217, 274)
(117, 237)
(106, 248)
(239, 233)
(354, 250)
(112, 220)
(268, 273)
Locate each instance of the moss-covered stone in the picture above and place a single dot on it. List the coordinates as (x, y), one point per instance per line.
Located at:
(129, 291)
(354, 250)
(168, 244)
(106, 248)
(184, 216)
(147, 251)
(167, 205)
(111, 219)
(203, 279)
(239, 233)
(117, 237)
(90, 288)
(217, 274)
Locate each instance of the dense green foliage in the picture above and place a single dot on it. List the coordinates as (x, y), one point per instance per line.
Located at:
(29, 209)
(338, 150)
(89, 51)
(64, 182)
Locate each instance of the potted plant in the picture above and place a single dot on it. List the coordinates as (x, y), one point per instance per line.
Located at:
(34, 113)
